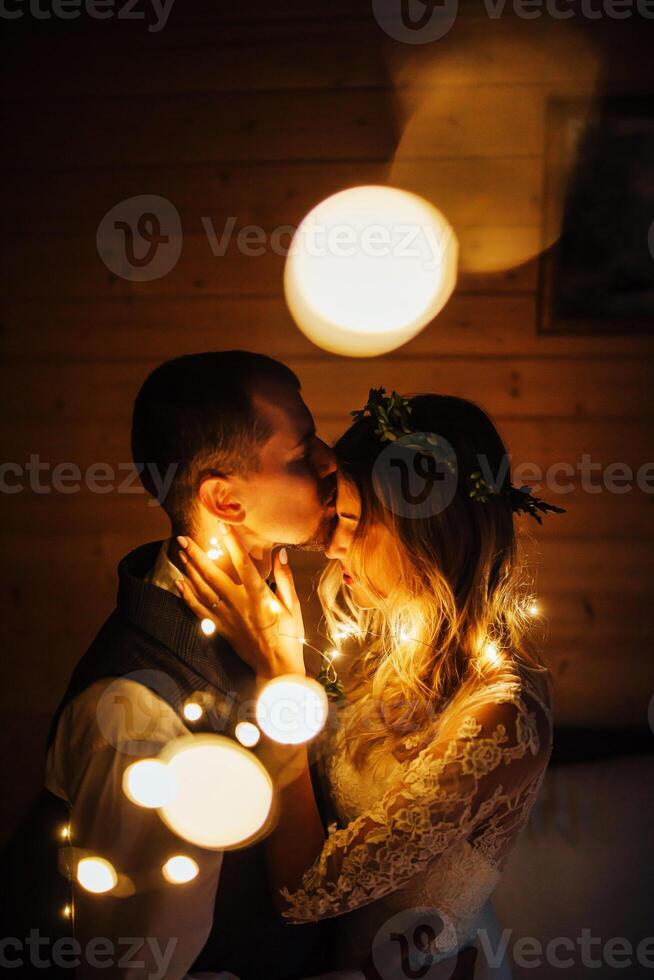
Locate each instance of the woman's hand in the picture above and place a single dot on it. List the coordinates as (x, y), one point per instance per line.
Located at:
(266, 630)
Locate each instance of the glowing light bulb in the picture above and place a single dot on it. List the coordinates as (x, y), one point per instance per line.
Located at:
(192, 711)
(247, 733)
(214, 553)
(492, 653)
(65, 832)
(208, 627)
(292, 709)
(148, 783)
(209, 769)
(332, 653)
(67, 911)
(533, 609)
(96, 875)
(180, 869)
(352, 286)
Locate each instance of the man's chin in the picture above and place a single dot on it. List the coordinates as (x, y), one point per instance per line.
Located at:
(320, 539)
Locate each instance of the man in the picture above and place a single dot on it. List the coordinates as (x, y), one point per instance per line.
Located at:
(232, 429)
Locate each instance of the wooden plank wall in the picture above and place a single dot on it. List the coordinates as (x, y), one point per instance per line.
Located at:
(258, 113)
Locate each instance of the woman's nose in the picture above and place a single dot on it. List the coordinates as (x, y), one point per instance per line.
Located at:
(337, 547)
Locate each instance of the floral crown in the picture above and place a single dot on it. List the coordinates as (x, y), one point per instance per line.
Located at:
(391, 412)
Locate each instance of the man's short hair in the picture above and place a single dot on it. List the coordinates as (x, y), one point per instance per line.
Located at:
(196, 415)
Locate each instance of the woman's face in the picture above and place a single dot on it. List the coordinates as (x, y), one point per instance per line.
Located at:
(380, 555)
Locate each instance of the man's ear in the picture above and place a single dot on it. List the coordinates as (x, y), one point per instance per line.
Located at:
(216, 494)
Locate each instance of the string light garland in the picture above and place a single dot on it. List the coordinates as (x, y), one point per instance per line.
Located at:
(215, 551)
(208, 627)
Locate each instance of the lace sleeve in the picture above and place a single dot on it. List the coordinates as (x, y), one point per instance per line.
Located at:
(476, 782)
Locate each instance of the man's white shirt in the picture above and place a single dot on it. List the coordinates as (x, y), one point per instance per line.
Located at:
(159, 930)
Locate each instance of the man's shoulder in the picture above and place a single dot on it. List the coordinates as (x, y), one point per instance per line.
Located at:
(123, 713)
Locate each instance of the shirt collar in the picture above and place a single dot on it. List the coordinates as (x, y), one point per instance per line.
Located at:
(145, 597)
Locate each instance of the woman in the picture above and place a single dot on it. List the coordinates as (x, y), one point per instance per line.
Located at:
(446, 731)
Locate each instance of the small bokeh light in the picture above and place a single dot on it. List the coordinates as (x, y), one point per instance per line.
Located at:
(148, 783)
(96, 875)
(179, 869)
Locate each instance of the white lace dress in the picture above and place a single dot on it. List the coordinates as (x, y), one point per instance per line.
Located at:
(431, 833)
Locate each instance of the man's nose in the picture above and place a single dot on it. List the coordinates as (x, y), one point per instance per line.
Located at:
(324, 459)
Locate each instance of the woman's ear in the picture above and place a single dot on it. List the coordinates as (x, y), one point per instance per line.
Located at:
(216, 495)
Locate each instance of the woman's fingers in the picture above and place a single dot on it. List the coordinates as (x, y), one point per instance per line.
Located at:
(285, 581)
(208, 595)
(197, 606)
(246, 569)
(215, 577)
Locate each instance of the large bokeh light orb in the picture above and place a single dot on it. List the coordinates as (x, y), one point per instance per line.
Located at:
(223, 792)
(368, 268)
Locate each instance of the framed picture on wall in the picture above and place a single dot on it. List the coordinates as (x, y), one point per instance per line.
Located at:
(598, 276)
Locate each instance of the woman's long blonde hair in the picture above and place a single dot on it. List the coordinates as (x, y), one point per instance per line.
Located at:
(457, 622)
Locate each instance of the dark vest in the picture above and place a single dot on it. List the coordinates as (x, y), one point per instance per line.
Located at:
(152, 636)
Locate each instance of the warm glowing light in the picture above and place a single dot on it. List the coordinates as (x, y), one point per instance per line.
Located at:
(274, 606)
(67, 911)
(247, 733)
(208, 627)
(96, 875)
(292, 709)
(405, 636)
(533, 609)
(65, 832)
(180, 869)
(333, 653)
(148, 783)
(224, 792)
(214, 553)
(192, 711)
(368, 268)
(492, 653)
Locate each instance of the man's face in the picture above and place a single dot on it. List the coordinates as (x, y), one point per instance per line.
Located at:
(290, 498)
